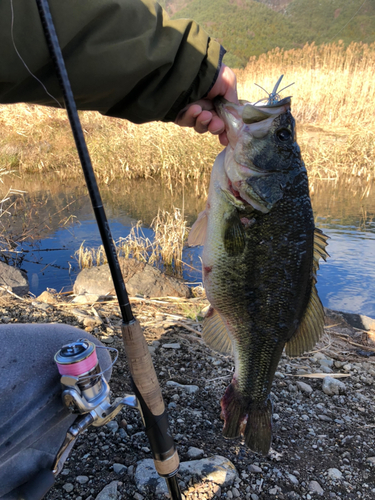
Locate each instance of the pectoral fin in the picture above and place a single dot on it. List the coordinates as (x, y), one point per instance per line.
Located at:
(215, 333)
(234, 236)
(198, 232)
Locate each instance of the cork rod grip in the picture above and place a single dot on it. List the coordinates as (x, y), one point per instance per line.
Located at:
(141, 367)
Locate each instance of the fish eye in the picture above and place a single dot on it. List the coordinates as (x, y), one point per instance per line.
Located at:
(283, 134)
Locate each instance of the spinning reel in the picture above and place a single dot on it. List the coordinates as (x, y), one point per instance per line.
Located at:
(86, 392)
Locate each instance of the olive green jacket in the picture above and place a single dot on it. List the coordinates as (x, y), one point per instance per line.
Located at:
(124, 58)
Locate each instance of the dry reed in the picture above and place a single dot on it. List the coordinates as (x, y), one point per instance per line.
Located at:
(164, 249)
(333, 89)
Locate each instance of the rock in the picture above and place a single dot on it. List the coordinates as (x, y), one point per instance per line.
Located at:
(119, 468)
(109, 492)
(140, 278)
(302, 386)
(254, 468)
(326, 362)
(292, 478)
(46, 297)
(171, 346)
(217, 469)
(371, 460)
(68, 487)
(107, 340)
(333, 386)
(13, 279)
(275, 490)
(195, 452)
(82, 479)
(334, 474)
(190, 389)
(87, 298)
(254, 496)
(92, 322)
(112, 426)
(315, 487)
(138, 496)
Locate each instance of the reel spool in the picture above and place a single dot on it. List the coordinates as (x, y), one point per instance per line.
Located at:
(85, 387)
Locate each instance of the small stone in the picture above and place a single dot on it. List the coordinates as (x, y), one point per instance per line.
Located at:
(112, 426)
(119, 468)
(68, 487)
(371, 460)
(302, 386)
(326, 362)
(326, 369)
(107, 340)
(82, 479)
(347, 367)
(229, 494)
(138, 496)
(332, 386)
(275, 490)
(275, 417)
(176, 345)
(87, 298)
(254, 468)
(46, 297)
(130, 470)
(190, 389)
(334, 474)
(254, 496)
(324, 418)
(109, 492)
(236, 493)
(195, 452)
(315, 487)
(292, 478)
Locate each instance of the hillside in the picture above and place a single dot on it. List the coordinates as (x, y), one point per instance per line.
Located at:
(249, 27)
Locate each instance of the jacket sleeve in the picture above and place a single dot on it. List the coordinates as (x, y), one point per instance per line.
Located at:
(124, 58)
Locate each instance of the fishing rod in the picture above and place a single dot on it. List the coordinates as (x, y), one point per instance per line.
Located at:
(143, 377)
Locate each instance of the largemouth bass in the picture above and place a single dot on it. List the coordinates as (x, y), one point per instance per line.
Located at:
(260, 257)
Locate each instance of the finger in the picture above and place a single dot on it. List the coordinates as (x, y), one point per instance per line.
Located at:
(216, 125)
(202, 122)
(188, 116)
(223, 139)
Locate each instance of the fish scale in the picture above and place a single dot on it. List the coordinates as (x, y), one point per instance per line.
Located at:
(259, 268)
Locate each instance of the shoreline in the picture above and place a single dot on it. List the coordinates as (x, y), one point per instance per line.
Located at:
(313, 433)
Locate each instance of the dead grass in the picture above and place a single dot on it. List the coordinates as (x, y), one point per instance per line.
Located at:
(163, 250)
(333, 92)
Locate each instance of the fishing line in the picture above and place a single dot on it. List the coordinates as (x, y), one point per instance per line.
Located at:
(23, 62)
(106, 369)
(351, 19)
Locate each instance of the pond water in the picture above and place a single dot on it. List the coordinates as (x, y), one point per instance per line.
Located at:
(62, 218)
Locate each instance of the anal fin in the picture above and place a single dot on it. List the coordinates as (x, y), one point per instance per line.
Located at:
(311, 328)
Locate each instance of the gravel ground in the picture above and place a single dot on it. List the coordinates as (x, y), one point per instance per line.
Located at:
(323, 440)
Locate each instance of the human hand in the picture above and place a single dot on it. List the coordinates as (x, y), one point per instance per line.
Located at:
(202, 115)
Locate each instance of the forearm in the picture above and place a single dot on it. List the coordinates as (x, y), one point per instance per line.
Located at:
(124, 58)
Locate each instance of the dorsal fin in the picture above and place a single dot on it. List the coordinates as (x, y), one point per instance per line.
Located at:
(215, 333)
(311, 328)
(320, 243)
(198, 232)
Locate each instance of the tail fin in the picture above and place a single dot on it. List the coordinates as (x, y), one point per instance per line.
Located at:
(242, 417)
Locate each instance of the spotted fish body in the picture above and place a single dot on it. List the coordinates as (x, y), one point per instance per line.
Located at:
(260, 257)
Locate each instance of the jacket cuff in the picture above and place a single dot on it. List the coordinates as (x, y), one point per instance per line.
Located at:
(203, 82)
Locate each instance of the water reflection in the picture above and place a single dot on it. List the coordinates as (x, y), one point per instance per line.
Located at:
(346, 282)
